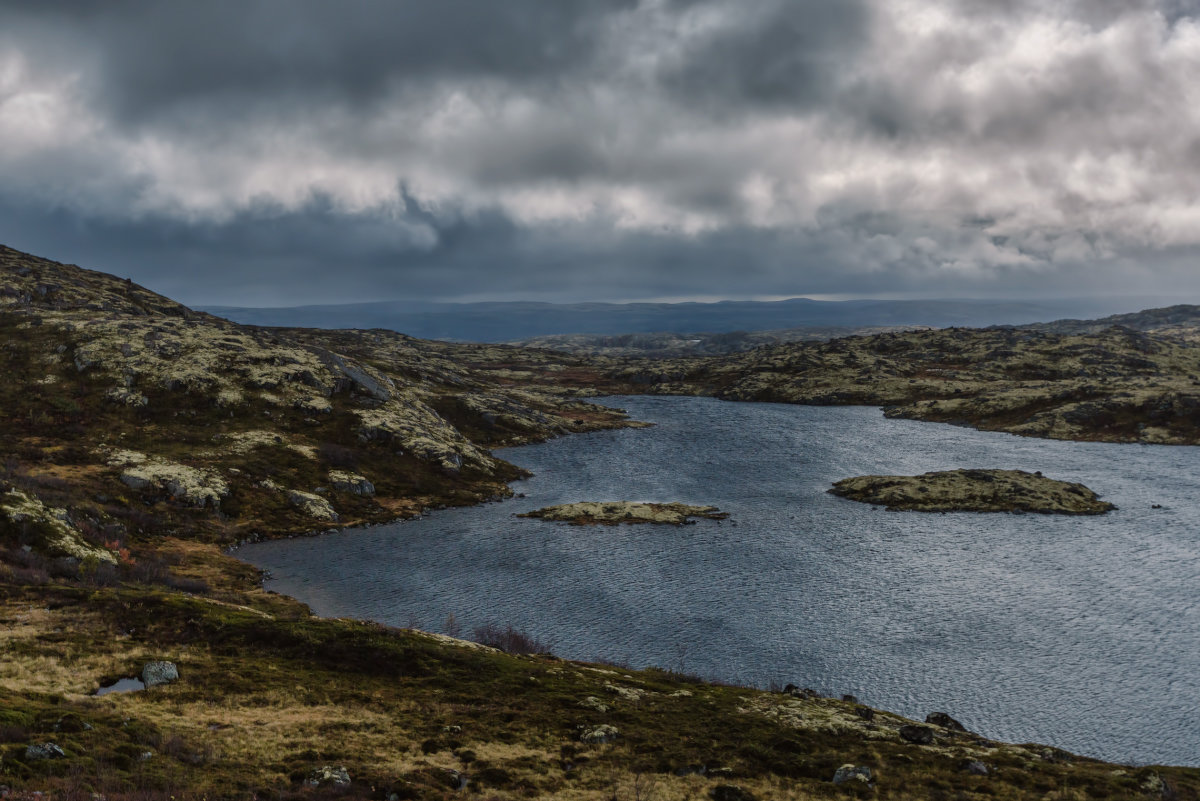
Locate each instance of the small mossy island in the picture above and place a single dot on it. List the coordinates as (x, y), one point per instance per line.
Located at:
(974, 491)
(591, 513)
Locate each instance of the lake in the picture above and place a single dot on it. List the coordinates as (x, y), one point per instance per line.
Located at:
(1078, 632)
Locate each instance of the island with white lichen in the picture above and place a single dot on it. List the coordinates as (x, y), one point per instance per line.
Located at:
(974, 491)
(592, 513)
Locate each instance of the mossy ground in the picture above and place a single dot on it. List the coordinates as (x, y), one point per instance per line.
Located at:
(268, 694)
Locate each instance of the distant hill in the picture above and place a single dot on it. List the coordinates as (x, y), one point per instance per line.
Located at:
(1179, 320)
(517, 321)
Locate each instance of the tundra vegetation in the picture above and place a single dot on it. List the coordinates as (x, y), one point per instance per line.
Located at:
(614, 513)
(139, 439)
(974, 491)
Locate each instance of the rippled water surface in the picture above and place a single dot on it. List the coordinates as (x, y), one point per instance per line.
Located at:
(1081, 632)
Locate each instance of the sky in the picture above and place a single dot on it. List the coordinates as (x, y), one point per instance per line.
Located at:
(279, 152)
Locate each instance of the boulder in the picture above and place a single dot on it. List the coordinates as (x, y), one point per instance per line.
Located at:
(945, 721)
(598, 735)
(312, 505)
(328, 776)
(920, 735)
(40, 751)
(975, 768)
(156, 673)
(853, 773)
(730, 792)
(353, 483)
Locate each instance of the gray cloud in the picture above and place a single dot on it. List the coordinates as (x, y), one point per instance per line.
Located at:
(304, 151)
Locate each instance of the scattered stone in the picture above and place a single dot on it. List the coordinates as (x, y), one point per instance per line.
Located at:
(865, 712)
(853, 773)
(920, 735)
(730, 792)
(72, 723)
(598, 735)
(975, 768)
(806, 693)
(156, 673)
(329, 776)
(312, 505)
(973, 491)
(41, 751)
(353, 483)
(850, 699)
(587, 513)
(594, 703)
(627, 693)
(945, 721)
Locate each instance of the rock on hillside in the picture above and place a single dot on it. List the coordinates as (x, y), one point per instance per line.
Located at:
(974, 491)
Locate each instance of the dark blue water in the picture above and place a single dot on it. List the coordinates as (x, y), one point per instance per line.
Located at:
(1081, 632)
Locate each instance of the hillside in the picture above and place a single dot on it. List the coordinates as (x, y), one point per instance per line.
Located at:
(1180, 320)
(1118, 385)
(138, 438)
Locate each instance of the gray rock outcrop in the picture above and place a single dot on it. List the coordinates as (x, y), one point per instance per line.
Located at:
(157, 673)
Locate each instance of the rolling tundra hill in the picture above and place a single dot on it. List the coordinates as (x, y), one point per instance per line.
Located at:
(138, 438)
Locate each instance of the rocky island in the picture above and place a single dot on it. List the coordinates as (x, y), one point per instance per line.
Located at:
(974, 491)
(595, 513)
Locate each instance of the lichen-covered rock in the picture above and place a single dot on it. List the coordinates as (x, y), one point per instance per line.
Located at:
(598, 735)
(410, 423)
(40, 751)
(353, 483)
(858, 774)
(158, 673)
(191, 485)
(973, 491)
(312, 505)
(615, 513)
(329, 776)
(920, 735)
(50, 528)
(594, 703)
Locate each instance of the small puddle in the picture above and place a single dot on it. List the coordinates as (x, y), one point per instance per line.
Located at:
(122, 686)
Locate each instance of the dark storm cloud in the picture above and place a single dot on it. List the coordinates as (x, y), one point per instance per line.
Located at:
(154, 57)
(307, 151)
(787, 53)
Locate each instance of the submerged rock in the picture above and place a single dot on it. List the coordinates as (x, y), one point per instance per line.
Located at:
(616, 512)
(973, 491)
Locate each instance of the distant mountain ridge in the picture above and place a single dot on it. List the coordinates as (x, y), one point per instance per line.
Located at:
(516, 321)
(1180, 320)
